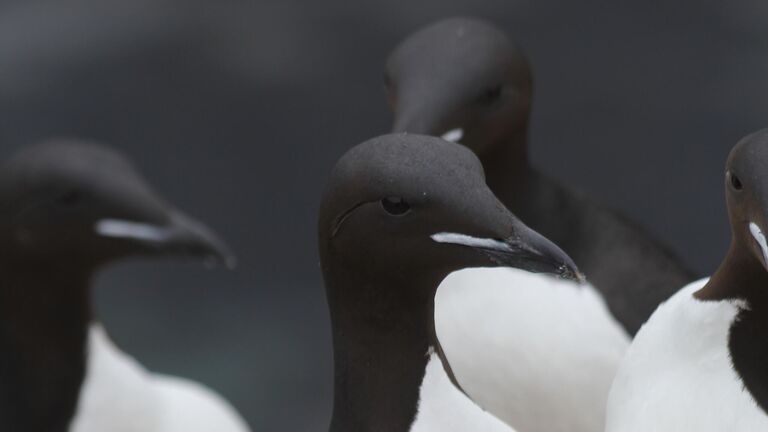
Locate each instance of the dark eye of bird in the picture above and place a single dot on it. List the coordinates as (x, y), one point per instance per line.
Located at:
(69, 198)
(490, 95)
(735, 182)
(395, 206)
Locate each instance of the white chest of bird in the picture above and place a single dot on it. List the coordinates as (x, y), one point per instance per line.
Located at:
(444, 408)
(120, 395)
(538, 352)
(678, 374)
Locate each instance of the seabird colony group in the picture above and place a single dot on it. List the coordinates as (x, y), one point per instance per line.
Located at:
(467, 290)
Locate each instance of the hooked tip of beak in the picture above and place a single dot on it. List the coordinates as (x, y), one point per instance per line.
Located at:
(546, 253)
(568, 269)
(572, 274)
(182, 236)
(194, 238)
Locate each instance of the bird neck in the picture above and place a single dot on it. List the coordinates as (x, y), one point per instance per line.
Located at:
(506, 167)
(44, 318)
(742, 277)
(380, 357)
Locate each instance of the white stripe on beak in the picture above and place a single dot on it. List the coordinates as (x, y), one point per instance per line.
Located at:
(465, 240)
(131, 230)
(760, 238)
(453, 135)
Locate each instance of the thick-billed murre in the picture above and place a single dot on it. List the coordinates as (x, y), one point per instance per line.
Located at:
(700, 362)
(67, 209)
(400, 213)
(465, 80)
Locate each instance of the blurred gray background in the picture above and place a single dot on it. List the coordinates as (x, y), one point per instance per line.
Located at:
(237, 110)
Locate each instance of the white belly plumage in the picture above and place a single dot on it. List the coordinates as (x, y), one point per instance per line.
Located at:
(119, 395)
(444, 408)
(538, 352)
(678, 376)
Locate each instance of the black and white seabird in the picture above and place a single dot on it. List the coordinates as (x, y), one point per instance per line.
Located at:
(403, 215)
(67, 209)
(701, 362)
(463, 79)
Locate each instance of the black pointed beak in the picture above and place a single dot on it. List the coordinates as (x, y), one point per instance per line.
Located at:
(415, 121)
(179, 235)
(190, 237)
(412, 123)
(512, 244)
(531, 251)
(420, 115)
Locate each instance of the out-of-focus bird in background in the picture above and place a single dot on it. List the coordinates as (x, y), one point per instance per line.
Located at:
(67, 209)
(465, 80)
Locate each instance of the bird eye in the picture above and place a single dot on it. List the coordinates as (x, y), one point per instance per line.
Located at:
(395, 206)
(69, 198)
(735, 181)
(490, 95)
